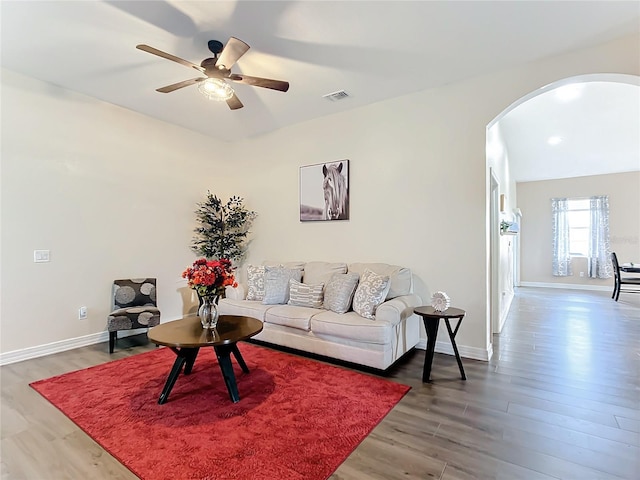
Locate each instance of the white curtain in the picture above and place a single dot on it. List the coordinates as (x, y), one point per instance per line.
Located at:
(599, 265)
(561, 257)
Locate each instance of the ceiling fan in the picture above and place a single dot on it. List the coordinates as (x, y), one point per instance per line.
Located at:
(217, 71)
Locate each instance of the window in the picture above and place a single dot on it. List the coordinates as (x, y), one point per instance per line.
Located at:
(581, 229)
(579, 217)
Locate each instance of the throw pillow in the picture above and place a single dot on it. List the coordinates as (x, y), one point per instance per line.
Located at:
(255, 283)
(371, 292)
(276, 284)
(338, 293)
(304, 295)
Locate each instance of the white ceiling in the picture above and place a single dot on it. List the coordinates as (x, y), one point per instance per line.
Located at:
(372, 49)
(588, 128)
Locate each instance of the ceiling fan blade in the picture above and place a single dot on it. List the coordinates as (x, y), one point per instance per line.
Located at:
(234, 103)
(176, 86)
(260, 82)
(231, 52)
(168, 56)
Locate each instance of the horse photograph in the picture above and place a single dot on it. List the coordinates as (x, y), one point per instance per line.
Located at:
(324, 191)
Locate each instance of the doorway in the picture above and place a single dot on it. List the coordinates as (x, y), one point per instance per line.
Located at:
(494, 246)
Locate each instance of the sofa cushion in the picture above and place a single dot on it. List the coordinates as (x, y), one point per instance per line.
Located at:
(371, 292)
(397, 309)
(294, 265)
(276, 284)
(239, 292)
(338, 293)
(255, 282)
(400, 278)
(291, 316)
(304, 295)
(321, 272)
(244, 308)
(352, 326)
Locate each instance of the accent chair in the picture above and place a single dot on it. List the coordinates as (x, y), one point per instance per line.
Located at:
(134, 306)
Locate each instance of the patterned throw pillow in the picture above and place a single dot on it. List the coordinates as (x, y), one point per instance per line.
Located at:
(304, 295)
(370, 293)
(276, 284)
(255, 283)
(338, 293)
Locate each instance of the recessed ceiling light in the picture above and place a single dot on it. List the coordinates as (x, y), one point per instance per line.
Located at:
(569, 92)
(554, 140)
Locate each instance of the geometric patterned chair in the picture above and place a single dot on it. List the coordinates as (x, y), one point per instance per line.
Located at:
(134, 306)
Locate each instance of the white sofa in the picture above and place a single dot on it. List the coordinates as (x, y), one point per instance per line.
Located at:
(350, 337)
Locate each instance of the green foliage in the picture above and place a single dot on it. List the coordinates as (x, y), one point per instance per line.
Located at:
(504, 226)
(223, 228)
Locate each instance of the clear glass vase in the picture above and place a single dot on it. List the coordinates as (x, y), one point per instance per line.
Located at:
(208, 311)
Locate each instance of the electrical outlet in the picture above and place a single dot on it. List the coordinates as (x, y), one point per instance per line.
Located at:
(582, 274)
(82, 313)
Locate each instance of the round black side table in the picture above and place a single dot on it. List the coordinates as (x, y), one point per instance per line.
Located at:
(431, 319)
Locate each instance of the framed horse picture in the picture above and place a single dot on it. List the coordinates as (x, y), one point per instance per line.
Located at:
(324, 191)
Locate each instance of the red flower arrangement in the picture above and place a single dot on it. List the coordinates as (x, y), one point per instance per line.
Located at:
(209, 277)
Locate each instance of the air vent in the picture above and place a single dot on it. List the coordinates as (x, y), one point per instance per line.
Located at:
(335, 96)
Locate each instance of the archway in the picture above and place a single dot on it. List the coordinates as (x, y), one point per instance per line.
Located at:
(500, 163)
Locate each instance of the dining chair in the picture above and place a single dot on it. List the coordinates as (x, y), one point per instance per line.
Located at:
(134, 306)
(633, 283)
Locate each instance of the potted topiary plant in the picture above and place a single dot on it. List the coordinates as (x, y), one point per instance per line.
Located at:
(223, 228)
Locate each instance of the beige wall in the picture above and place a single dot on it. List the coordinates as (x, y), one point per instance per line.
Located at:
(534, 198)
(110, 193)
(419, 181)
(80, 176)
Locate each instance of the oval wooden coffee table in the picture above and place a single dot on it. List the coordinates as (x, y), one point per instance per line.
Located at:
(186, 336)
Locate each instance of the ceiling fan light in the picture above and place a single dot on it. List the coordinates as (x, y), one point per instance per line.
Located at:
(216, 89)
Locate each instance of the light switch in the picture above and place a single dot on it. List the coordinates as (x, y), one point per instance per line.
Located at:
(40, 256)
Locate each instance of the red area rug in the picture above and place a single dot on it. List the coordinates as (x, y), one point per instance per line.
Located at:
(296, 419)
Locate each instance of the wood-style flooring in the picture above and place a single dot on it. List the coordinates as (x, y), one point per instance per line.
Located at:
(559, 400)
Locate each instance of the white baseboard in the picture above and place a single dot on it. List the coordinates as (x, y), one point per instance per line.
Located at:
(506, 305)
(464, 351)
(572, 286)
(61, 346)
(69, 344)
